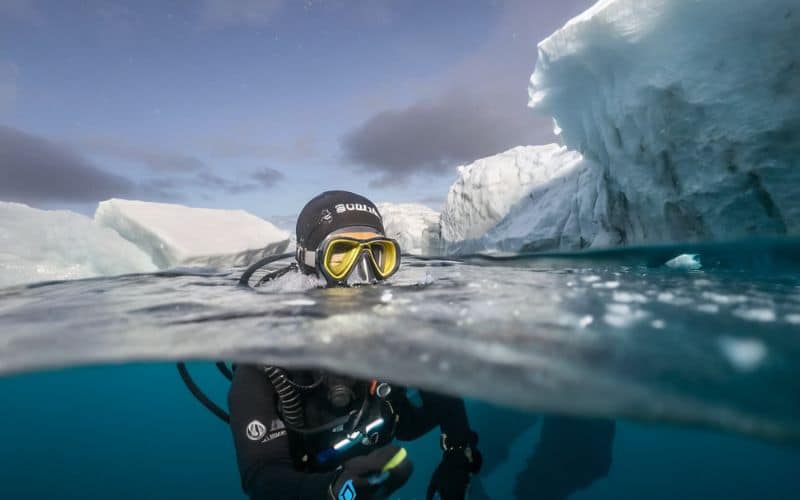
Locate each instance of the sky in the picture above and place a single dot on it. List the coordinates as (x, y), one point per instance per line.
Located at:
(262, 104)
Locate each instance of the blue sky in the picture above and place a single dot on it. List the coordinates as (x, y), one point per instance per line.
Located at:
(261, 104)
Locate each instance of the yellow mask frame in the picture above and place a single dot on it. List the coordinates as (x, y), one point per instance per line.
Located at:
(339, 253)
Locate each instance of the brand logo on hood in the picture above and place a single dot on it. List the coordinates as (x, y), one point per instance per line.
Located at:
(356, 207)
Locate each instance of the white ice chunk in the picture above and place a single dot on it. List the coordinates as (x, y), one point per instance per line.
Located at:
(686, 261)
(527, 198)
(414, 226)
(745, 354)
(175, 235)
(689, 109)
(43, 245)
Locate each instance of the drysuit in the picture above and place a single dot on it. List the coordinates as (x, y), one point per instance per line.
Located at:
(277, 462)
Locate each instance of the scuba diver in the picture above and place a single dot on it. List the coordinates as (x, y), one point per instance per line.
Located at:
(311, 434)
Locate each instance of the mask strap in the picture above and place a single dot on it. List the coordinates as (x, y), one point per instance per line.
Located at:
(306, 257)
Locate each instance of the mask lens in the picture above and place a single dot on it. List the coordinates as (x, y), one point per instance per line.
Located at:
(340, 256)
(384, 254)
(379, 254)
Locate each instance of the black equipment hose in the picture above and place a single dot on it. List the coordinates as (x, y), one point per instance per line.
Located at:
(276, 274)
(289, 396)
(244, 280)
(224, 370)
(197, 393)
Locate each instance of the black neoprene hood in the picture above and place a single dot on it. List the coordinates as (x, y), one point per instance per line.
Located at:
(333, 210)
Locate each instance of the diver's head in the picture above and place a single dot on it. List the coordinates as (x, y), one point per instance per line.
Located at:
(340, 236)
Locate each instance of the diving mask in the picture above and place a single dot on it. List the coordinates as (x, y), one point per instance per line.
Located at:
(350, 257)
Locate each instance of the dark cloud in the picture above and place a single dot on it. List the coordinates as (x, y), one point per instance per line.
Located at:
(478, 108)
(209, 180)
(151, 157)
(434, 136)
(38, 171)
(263, 178)
(267, 177)
(34, 170)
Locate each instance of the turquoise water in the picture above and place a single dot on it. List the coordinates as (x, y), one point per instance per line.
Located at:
(133, 432)
(694, 350)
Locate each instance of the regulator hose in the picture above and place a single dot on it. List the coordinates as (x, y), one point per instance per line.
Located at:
(244, 280)
(289, 397)
(200, 396)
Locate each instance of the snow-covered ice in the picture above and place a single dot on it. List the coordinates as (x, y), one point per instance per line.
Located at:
(44, 245)
(175, 235)
(414, 226)
(690, 109)
(526, 198)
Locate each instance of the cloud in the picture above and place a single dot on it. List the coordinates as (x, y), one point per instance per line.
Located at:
(267, 177)
(34, 170)
(477, 108)
(260, 179)
(219, 14)
(151, 157)
(433, 136)
(8, 84)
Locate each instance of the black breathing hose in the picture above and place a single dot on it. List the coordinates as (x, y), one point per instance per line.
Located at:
(224, 370)
(244, 280)
(289, 397)
(287, 390)
(197, 393)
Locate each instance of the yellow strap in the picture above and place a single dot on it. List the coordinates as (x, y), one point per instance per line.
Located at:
(396, 460)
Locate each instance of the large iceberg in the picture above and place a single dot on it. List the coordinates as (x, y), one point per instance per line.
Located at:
(175, 235)
(45, 245)
(690, 110)
(527, 198)
(414, 226)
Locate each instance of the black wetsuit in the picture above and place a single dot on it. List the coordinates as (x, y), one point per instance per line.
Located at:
(277, 463)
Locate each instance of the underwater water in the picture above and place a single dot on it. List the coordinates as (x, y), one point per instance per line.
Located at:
(694, 350)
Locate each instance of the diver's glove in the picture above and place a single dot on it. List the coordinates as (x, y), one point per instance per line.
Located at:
(372, 476)
(450, 480)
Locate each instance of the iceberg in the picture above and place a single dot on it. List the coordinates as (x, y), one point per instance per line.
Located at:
(53, 245)
(414, 226)
(690, 111)
(530, 198)
(180, 236)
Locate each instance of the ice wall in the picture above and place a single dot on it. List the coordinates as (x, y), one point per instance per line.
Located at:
(175, 235)
(527, 198)
(42, 245)
(691, 109)
(414, 226)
